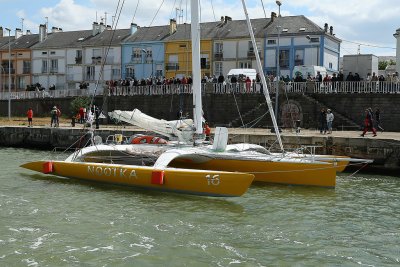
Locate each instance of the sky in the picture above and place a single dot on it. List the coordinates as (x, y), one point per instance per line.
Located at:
(367, 25)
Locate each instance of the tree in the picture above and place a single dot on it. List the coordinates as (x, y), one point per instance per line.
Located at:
(382, 65)
(78, 102)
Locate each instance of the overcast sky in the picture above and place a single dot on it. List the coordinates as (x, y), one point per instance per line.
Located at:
(367, 22)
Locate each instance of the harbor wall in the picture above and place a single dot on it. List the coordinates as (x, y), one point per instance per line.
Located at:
(384, 152)
(235, 110)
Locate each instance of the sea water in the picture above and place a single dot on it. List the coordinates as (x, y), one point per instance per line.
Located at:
(50, 221)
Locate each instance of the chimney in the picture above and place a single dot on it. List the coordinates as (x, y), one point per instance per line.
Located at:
(28, 32)
(108, 27)
(1, 32)
(18, 33)
(273, 16)
(55, 29)
(102, 27)
(134, 28)
(95, 28)
(227, 18)
(172, 26)
(326, 27)
(42, 32)
(222, 19)
(331, 30)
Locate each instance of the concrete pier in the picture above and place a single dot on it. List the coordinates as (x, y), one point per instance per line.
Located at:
(383, 149)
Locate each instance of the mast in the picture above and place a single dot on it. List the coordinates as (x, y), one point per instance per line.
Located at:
(264, 83)
(196, 71)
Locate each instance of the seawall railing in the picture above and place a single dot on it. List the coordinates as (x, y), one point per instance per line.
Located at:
(363, 87)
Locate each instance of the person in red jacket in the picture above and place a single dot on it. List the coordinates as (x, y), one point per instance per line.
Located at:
(207, 131)
(29, 114)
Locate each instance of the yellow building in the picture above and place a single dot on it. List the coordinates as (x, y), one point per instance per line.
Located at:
(178, 51)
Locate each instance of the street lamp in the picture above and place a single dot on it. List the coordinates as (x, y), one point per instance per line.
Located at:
(9, 73)
(278, 69)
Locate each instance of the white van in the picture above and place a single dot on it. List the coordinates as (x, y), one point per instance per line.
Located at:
(242, 74)
(305, 70)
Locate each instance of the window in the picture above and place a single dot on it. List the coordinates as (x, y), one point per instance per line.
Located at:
(44, 66)
(271, 42)
(26, 67)
(245, 65)
(130, 72)
(284, 59)
(21, 82)
(115, 74)
(299, 57)
(44, 53)
(159, 70)
(90, 73)
(149, 55)
(110, 56)
(97, 53)
(330, 65)
(52, 52)
(218, 68)
(136, 55)
(54, 66)
(78, 56)
(314, 40)
(219, 47)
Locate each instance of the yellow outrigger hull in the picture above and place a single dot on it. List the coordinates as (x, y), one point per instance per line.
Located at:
(189, 181)
(280, 172)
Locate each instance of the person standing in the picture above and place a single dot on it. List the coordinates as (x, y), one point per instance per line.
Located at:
(207, 131)
(378, 119)
(53, 114)
(58, 112)
(368, 123)
(322, 121)
(329, 120)
(29, 114)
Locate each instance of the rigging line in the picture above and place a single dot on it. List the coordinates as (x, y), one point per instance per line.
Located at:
(237, 107)
(212, 7)
(186, 18)
(377, 46)
(262, 3)
(156, 13)
(134, 14)
(108, 48)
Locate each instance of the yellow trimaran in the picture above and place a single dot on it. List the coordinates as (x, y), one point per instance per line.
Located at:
(215, 170)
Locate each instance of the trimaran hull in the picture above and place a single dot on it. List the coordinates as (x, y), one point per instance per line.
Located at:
(198, 182)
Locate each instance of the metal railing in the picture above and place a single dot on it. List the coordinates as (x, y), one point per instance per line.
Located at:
(221, 88)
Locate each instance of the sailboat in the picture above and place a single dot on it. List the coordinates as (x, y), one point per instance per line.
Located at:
(190, 154)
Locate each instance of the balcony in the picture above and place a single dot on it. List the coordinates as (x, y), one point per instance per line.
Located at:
(53, 70)
(218, 56)
(251, 54)
(172, 66)
(96, 60)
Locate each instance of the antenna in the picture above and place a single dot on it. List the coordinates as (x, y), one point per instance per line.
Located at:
(105, 18)
(47, 24)
(179, 15)
(22, 24)
(359, 49)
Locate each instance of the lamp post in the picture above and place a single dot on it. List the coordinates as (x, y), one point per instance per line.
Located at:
(9, 73)
(278, 69)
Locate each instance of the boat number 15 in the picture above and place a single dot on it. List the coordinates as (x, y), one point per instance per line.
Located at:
(212, 179)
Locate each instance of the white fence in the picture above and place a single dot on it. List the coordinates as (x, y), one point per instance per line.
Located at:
(219, 88)
(50, 94)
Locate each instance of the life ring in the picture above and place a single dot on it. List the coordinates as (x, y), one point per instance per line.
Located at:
(148, 139)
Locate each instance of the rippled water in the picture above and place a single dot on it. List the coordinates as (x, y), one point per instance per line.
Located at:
(49, 221)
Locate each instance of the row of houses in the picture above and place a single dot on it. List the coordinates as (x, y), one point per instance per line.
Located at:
(68, 58)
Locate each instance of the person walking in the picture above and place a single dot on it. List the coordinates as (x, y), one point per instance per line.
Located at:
(378, 119)
(329, 120)
(368, 123)
(322, 121)
(29, 114)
